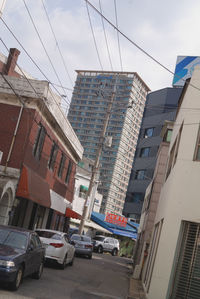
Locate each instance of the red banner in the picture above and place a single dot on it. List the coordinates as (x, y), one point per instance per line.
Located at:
(116, 219)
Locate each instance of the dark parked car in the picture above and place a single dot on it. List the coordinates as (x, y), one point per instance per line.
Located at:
(83, 245)
(21, 254)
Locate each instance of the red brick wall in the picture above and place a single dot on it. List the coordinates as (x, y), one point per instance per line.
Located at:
(23, 148)
(8, 120)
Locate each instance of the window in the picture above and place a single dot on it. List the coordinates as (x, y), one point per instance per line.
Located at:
(174, 152)
(83, 191)
(170, 161)
(145, 152)
(13, 239)
(152, 254)
(36, 240)
(69, 169)
(140, 174)
(186, 272)
(148, 132)
(137, 197)
(53, 155)
(177, 144)
(197, 150)
(168, 134)
(48, 234)
(61, 166)
(39, 142)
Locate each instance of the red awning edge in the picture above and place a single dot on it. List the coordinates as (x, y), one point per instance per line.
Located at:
(31, 186)
(72, 214)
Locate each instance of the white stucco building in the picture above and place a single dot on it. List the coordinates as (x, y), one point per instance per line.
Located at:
(172, 269)
(82, 181)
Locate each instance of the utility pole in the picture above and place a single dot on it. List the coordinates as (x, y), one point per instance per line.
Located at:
(96, 164)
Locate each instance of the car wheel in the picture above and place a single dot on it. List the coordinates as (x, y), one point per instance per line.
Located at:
(63, 265)
(72, 261)
(38, 274)
(114, 252)
(100, 249)
(18, 279)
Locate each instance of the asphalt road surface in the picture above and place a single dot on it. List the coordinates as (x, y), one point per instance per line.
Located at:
(102, 277)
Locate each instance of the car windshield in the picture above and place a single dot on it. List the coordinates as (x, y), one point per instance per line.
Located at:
(81, 238)
(13, 239)
(99, 238)
(48, 235)
(86, 239)
(75, 237)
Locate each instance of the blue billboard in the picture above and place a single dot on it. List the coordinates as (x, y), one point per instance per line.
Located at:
(184, 69)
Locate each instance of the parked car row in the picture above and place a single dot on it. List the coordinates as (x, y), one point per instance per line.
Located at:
(24, 252)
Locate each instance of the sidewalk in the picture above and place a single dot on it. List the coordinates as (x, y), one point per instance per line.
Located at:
(135, 289)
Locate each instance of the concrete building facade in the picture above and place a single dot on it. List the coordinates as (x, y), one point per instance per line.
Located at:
(161, 105)
(172, 269)
(82, 180)
(150, 204)
(92, 93)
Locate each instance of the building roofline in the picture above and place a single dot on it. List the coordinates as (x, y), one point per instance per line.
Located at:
(115, 72)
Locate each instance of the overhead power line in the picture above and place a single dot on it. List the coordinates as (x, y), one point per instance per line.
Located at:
(105, 36)
(43, 46)
(20, 98)
(33, 61)
(56, 41)
(118, 41)
(137, 46)
(27, 79)
(95, 43)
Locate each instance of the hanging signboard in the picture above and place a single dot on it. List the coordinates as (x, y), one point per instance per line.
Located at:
(115, 219)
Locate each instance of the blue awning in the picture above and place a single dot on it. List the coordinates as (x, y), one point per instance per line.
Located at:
(124, 233)
(130, 230)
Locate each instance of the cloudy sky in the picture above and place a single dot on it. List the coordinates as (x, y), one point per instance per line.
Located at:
(164, 29)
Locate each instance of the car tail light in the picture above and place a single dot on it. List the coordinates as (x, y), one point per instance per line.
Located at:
(88, 246)
(57, 245)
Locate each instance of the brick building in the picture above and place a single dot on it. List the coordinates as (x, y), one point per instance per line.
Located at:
(39, 151)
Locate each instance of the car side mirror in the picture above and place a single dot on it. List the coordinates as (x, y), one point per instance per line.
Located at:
(30, 247)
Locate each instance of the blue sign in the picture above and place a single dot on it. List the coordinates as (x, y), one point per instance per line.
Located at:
(184, 69)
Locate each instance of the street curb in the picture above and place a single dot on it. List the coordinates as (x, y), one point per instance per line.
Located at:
(135, 289)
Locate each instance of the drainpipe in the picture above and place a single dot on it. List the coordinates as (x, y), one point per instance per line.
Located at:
(13, 138)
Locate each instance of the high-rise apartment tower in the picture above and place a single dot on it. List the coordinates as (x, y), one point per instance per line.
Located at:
(88, 109)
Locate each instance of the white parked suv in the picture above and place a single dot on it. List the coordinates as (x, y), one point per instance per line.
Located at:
(106, 244)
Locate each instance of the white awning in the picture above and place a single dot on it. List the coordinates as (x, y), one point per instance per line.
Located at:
(59, 203)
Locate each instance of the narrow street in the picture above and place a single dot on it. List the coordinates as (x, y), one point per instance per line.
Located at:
(104, 276)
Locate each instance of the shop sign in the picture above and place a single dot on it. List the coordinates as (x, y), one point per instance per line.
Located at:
(115, 219)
